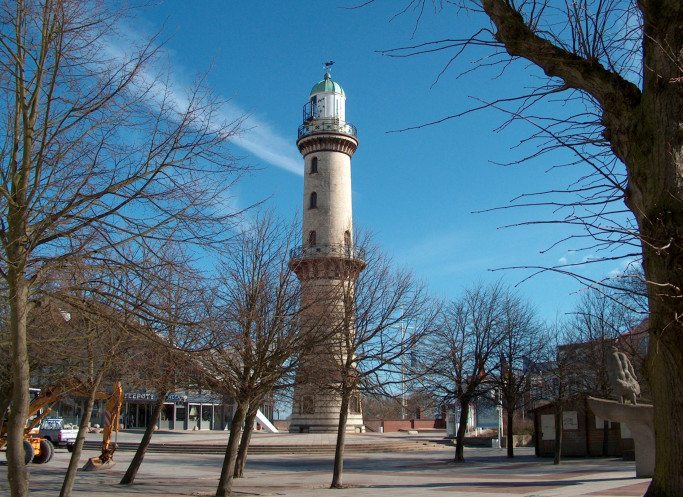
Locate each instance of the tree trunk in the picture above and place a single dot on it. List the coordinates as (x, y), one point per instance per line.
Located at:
(510, 436)
(70, 476)
(341, 438)
(227, 471)
(657, 202)
(558, 435)
(460, 435)
(665, 375)
(134, 465)
(16, 465)
(244, 442)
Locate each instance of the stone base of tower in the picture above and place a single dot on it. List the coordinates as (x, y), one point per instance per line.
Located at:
(319, 413)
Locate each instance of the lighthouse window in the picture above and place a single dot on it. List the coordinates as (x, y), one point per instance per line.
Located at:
(347, 238)
(311, 238)
(314, 165)
(313, 203)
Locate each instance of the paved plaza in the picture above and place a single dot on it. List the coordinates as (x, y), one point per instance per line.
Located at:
(428, 470)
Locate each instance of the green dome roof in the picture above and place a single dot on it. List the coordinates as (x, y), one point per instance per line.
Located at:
(327, 85)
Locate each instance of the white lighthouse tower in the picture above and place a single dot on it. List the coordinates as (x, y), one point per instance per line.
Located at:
(327, 260)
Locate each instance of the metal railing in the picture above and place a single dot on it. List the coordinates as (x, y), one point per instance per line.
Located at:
(327, 126)
(340, 251)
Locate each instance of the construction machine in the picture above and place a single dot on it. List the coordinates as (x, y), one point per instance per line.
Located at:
(40, 450)
(37, 449)
(111, 423)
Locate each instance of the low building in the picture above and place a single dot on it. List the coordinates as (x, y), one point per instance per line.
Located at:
(583, 433)
(181, 411)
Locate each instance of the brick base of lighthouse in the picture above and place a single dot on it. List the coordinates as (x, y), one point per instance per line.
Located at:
(325, 418)
(317, 399)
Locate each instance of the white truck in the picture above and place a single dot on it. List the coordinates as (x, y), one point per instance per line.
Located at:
(54, 430)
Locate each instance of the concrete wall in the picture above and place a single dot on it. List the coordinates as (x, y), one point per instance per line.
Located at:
(412, 424)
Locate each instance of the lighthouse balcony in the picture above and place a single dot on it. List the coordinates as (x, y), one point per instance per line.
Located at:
(327, 125)
(348, 252)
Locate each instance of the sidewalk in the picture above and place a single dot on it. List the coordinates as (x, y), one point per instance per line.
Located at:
(486, 472)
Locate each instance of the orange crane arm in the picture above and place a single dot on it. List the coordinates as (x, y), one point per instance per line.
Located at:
(112, 414)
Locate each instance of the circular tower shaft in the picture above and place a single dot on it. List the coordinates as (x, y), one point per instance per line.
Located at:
(327, 263)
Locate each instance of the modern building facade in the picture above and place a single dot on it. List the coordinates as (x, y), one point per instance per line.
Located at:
(327, 263)
(181, 411)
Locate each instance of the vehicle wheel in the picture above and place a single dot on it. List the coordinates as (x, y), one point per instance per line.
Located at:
(70, 447)
(46, 452)
(28, 452)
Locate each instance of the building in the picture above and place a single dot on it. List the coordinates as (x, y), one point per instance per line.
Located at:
(581, 371)
(583, 433)
(327, 258)
(181, 411)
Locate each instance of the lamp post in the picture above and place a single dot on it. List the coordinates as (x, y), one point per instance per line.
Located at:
(499, 407)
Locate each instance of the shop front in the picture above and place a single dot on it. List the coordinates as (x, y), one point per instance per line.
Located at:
(180, 411)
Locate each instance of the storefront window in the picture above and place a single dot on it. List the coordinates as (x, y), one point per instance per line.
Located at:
(180, 417)
(207, 417)
(193, 417)
(166, 417)
(142, 415)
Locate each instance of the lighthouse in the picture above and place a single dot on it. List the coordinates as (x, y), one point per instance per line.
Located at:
(327, 263)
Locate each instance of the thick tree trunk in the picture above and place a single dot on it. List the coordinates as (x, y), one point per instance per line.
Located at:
(17, 475)
(652, 149)
(341, 439)
(70, 476)
(665, 373)
(509, 435)
(662, 233)
(227, 471)
(244, 442)
(460, 435)
(139, 456)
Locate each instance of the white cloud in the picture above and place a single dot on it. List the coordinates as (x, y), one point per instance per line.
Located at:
(562, 260)
(263, 142)
(623, 267)
(258, 138)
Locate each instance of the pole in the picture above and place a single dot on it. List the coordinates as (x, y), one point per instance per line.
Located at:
(403, 371)
(500, 420)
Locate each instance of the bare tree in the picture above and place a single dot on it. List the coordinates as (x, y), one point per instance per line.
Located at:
(461, 354)
(521, 345)
(97, 151)
(254, 338)
(172, 320)
(370, 341)
(106, 340)
(622, 62)
(98, 309)
(594, 329)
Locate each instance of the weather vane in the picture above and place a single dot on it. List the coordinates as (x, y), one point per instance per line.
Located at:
(327, 66)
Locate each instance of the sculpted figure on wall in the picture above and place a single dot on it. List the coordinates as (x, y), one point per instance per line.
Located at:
(622, 377)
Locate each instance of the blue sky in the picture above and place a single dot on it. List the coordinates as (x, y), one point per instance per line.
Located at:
(416, 190)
